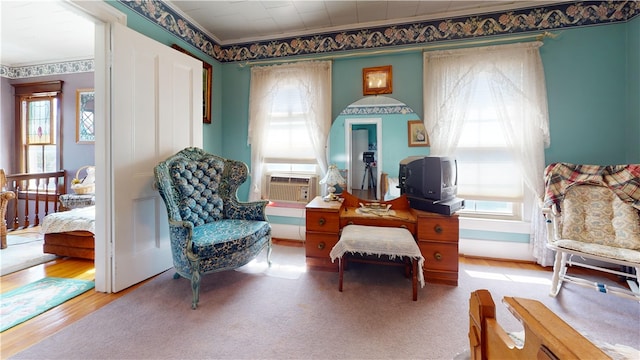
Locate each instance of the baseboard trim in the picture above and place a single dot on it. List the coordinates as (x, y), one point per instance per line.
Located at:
(287, 242)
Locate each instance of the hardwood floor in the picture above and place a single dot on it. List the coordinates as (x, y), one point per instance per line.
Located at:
(32, 331)
(369, 194)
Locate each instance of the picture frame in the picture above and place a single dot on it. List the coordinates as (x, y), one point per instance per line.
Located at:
(417, 133)
(85, 116)
(377, 80)
(207, 78)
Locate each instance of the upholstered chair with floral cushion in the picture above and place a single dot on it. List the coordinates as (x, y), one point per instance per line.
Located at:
(5, 197)
(210, 229)
(593, 218)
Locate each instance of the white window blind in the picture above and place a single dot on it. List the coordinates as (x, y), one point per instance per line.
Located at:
(487, 170)
(287, 138)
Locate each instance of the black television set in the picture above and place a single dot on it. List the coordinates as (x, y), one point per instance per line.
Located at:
(431, 183)
(430, 177)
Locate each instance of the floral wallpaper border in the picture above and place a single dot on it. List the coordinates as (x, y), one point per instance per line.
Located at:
(67, 67)
(559, 16)
(377, 109)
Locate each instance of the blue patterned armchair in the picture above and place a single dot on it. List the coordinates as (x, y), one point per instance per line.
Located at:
(210, 229)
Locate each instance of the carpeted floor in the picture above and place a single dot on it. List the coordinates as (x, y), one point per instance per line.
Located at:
(253, 314)
(23, 251)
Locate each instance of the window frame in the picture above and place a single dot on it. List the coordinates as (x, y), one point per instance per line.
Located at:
(28, 91)
(485, 115)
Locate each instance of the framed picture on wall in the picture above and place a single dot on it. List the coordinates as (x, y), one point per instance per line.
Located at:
(377, 80)
(417, 133)
(85, 116)
(207, 77)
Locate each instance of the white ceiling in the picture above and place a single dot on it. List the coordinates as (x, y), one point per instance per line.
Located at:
(37, 32)
(232, 22)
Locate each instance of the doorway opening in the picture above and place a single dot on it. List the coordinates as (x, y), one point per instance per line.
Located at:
(363, 144)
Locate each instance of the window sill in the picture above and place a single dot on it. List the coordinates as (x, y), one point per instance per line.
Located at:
(508, 226)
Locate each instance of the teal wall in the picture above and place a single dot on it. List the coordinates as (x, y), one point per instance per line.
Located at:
(592, 80)
(395, 145)
(212, 133)
(586, 76)
(593, 105)
(633, 94)
(593, 89)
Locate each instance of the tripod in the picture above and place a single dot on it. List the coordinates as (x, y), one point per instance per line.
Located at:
(372, 181)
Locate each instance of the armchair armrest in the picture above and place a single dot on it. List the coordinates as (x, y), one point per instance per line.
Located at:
(552, 220)
(7, 195)
(254, 210)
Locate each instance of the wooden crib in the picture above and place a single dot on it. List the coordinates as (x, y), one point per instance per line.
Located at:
(546, 336)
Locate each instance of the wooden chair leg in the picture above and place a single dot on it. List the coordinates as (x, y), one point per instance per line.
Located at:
(341, 273)
(415, 279)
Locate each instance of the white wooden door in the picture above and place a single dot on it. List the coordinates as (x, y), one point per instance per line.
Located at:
(156, 110)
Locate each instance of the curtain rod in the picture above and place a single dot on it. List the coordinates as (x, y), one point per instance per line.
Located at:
(535, 37)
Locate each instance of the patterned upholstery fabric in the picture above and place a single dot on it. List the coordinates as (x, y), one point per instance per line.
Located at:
(594, 214)
(210, 230)
(197, 185)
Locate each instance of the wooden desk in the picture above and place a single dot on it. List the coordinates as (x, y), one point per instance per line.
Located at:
(437, 235)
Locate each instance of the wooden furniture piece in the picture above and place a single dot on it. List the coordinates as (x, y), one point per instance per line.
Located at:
(77, 244)
(5, 197)
(437, 234)
(546, 336)
(209, 228)
(593, 218)
(380, 245)
(70, 233)
(36, 196)
(438, 237)
(322, 232)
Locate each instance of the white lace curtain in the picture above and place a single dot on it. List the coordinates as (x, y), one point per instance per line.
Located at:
(517, 86)
(313, 81)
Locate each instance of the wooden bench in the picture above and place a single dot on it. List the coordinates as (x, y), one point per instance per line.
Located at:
(385, 243)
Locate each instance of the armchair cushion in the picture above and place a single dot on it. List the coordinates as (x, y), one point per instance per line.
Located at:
(216, 240)
(594, 214)
(197, 186)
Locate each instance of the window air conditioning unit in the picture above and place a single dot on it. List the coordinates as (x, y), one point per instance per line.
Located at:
(292, 188)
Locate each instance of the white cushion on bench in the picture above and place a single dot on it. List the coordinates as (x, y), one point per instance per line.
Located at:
(376, 240)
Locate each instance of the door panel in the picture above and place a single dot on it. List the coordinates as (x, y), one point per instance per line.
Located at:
(156, 111)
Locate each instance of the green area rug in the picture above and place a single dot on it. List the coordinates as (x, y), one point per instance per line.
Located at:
(25, 302)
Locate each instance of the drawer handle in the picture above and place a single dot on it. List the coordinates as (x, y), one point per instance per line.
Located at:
(437, 256)
(350, 223)
(321, 245)
(322, 221)
(404, 226)
(437, 229)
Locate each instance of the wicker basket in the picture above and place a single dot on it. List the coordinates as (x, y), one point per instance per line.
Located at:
(79, 186)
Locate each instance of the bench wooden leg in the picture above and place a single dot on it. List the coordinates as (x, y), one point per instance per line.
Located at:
(341, 272)
(415, 279)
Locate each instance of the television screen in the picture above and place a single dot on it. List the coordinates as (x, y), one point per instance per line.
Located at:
(430, 177)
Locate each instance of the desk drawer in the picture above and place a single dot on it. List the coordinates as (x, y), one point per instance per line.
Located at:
(319, 244)
(323, 221)
(438, 228)
(378, 221)
(439, 256)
